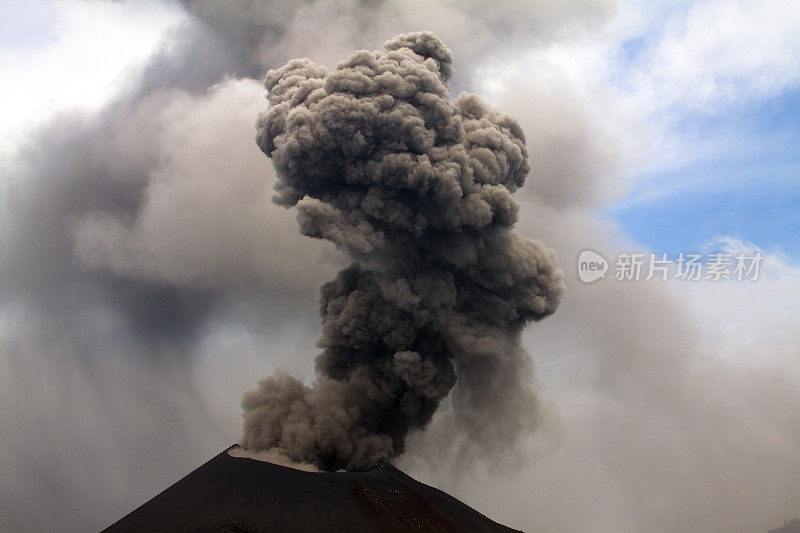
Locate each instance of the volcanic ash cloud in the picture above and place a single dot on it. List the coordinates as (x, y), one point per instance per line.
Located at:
(417, 190)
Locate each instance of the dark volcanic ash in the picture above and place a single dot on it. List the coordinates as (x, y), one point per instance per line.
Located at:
(417, 190)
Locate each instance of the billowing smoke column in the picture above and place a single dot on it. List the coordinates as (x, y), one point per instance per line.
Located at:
(416, 189)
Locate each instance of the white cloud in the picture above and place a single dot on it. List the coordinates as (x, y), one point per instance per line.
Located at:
(97, 48)
(752, 323)
(643, 75)
(721, 53)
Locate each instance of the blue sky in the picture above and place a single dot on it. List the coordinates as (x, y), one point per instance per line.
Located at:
(740, 131)
(751, 190)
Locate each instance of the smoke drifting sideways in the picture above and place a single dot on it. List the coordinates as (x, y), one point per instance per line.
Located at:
(416, 190)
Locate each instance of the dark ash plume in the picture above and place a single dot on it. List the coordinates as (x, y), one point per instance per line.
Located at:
(416, 189)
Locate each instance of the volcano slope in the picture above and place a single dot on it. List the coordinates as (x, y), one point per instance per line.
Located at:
(237, 494)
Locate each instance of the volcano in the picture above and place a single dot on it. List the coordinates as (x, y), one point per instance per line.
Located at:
(238, 494)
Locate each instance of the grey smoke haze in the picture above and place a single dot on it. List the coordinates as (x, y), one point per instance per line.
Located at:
(417, 190)
(143, 265)
(146, 280)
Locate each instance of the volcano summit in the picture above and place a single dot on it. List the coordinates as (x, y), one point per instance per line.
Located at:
(237, 494)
